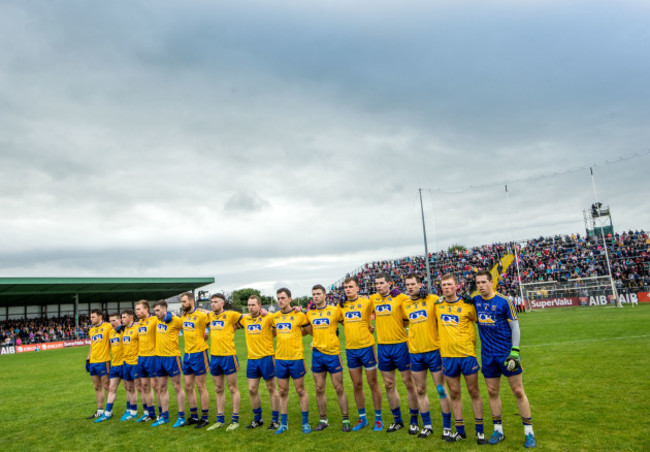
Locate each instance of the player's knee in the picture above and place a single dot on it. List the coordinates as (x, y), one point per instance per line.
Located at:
(421, 390)
(519, 392)
(284, 392)
(493, 393)
(474, 393)
(441, 391)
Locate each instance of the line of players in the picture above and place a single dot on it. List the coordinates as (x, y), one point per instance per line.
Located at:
(441, 339)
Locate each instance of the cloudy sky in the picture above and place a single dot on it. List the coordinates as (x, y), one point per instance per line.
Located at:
(283, 143)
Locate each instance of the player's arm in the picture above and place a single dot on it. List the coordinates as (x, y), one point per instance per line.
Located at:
(307, 329)
(88, 359)
(513, 361)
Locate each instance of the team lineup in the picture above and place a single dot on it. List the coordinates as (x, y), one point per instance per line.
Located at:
(417, 334)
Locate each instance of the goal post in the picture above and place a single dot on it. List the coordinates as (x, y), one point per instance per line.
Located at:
(590, 291)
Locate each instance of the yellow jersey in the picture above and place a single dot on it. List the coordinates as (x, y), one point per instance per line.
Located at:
(100, 346)
(259, 335)
(222, 332)
(117, 352)
(355, 316)
(423, 331)
(388, 318)
(130, 344)
(147, 336)
(167, 337)
(456, 328)
(194, 325)
(288, 330)
(324, 322)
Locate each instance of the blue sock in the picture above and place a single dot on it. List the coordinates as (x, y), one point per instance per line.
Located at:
(109, 407)
(274, 416)
(460, 426)
(426, 418)
(478, 422)
(362, 414)
(397, 414)
(128, 406)
(305, 417)
(145, 408)
(160, 411)
(204, 414)
(378, 415)
(414, 416)
(181, 414)
(258, 414)
(152, 411)
(235, 417)
(446, 420)
(194, 413)
(221, 417)
(284, 419)
(165, 414)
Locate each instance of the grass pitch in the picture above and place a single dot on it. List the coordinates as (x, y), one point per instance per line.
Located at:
(584, 376)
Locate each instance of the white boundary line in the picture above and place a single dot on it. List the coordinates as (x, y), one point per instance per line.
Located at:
(587, 340)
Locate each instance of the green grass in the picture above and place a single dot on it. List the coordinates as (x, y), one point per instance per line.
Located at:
(584, 376)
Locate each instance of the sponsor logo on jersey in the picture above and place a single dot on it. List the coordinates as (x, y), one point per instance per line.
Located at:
(449, 320)
(384, 309)
(188, 325)
(485, 318)
(97, 337)
(162, 327)
(115, 340)
(353, 315)
(126, 339)
(321, 322)
(254, 328)
(218, 324)
(142, 330)
(283, 327)
(417, 315)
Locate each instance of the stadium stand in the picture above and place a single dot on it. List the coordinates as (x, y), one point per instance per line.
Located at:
(558, 258)
(36, 331)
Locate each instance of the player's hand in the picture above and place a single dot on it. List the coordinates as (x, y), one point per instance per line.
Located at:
(423, 293)
(297, 309)
(264, 312)
(88, 365)
(168, 317)
(513, 361)
(371, 329)
(395, 292)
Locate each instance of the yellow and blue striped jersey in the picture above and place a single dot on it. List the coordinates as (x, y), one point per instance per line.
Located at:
(130, 344)
(288, 331)
(324, 322)
(167, 337)
(194, 325)
(456, 329)
(388, 318)
(356, 322)
(423, 331)
(147, 336)
(259, 335)
(100, 346)
(117, 352)
(222, 332)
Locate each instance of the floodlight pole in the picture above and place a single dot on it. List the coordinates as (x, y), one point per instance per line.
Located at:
(76, 310)
(512, 233)
(602, 235)
(426, 246)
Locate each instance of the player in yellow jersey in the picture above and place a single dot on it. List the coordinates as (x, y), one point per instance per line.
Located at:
(98, 363)
(455, 318)
(360, 351)
(259, 342)
(130, 347)
(289, 358)
(195, 362)
(168, 363)
(392, 350)
(326, 355)
(223, 359)
(146, 381)
(424, 352)
(117, 361)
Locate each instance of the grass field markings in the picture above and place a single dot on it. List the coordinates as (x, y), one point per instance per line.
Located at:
(588, 340)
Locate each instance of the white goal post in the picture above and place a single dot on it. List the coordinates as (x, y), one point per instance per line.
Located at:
(573, 292)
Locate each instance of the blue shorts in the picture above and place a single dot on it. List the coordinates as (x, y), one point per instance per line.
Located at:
(393, 356)
(116, 372)
(453, 367)
(196, 363)
(129, 372)
(493, 366)
(220, 365)
(361, 357)
(321, 362)
(146, 366)
(294, 368)
(100, 369)
(168, 366)
(426, 361)
(261, 368)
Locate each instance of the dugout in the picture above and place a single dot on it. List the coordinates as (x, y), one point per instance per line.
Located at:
(56, 297)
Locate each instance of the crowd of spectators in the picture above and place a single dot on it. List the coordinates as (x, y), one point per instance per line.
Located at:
(36, 331)
(556, 258)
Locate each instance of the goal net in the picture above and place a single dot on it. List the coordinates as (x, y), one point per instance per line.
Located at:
(592, 291)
